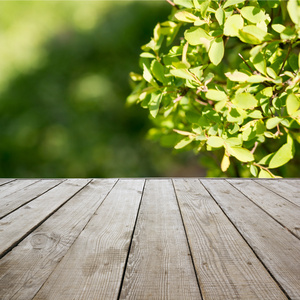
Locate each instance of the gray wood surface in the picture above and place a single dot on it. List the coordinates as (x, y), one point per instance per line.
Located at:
(5, 180)
(159, 262)
(25, 195)
(226, 266)
(277, 248)
(155, 238)
(93, 268)
(288, 189)
(21, 222)
(282, 210)
(40, 252)
(14, 186)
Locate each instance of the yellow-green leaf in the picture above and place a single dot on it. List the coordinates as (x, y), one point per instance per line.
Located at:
(216, 51)
(264, 174)
(216, 95)
(252, 34)
(220, 16)
(241, 154)
(273, 122)
(154, 105)
(237, 76)
(292, 104)
(232, 2)
(253, 14)
(225, 163)
(293, 8)
(233, 24)
(195, 36)
(245, 100)
(282, 156)
(215, 141)
(185, 16)
(184, 142)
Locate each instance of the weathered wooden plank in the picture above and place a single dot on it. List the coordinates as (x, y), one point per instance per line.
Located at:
(21, 222)
(159, 264)
(14, 186)
(25, 195)
(24, 270)
(226, 266)
(276, 247)
(94, 265)
(5, 180)
(288, 189)
(282, 210)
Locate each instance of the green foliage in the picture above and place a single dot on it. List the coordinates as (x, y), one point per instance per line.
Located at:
(225, 76)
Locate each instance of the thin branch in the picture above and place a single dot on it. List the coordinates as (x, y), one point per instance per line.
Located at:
(241, 56)
(287, 55)
(170, 2)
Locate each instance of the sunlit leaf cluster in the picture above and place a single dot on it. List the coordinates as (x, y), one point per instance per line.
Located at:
(224, 75)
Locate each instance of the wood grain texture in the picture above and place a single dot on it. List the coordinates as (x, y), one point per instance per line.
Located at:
(288, 189)
(226, 266)
(14, 186)
(24, 270)
(24, 195)
(282, 210)
(5, 180)
(93, 267)
(277, 248)
(159, 264)
(21, 222)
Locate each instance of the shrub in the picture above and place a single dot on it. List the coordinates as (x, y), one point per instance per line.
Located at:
(224, 75)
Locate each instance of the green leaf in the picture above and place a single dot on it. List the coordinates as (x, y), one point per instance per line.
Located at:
(292, 103)
(220, 16)
(257, 79)
(264, 174)
(232, 2)
(253, 35)
(147, 74)
(185, 16)
(253, 14)
(216, 95)
(147, 55)
(245, 101)
(154, 104)
(293, 8)
(273, 122)
(237, 76)
(216, 51)
(215, 142)
(240, 153)
(266, 159)
(225, 163)
(197, 3)
(196, 35)
(282, 156)
(233, 24)
(184, 142)
(181, 73)
(259, 63)
(158, 71)
(278, 27)
(185, 3)
(253, 170)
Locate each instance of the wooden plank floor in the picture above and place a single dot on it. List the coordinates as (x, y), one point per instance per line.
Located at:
(155, 238)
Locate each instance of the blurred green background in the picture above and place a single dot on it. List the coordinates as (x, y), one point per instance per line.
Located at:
(64, 80)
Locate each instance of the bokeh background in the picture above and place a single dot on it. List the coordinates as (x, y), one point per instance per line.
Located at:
(64, 80)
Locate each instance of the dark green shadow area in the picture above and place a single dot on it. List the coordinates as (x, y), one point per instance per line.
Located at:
(67, 117)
